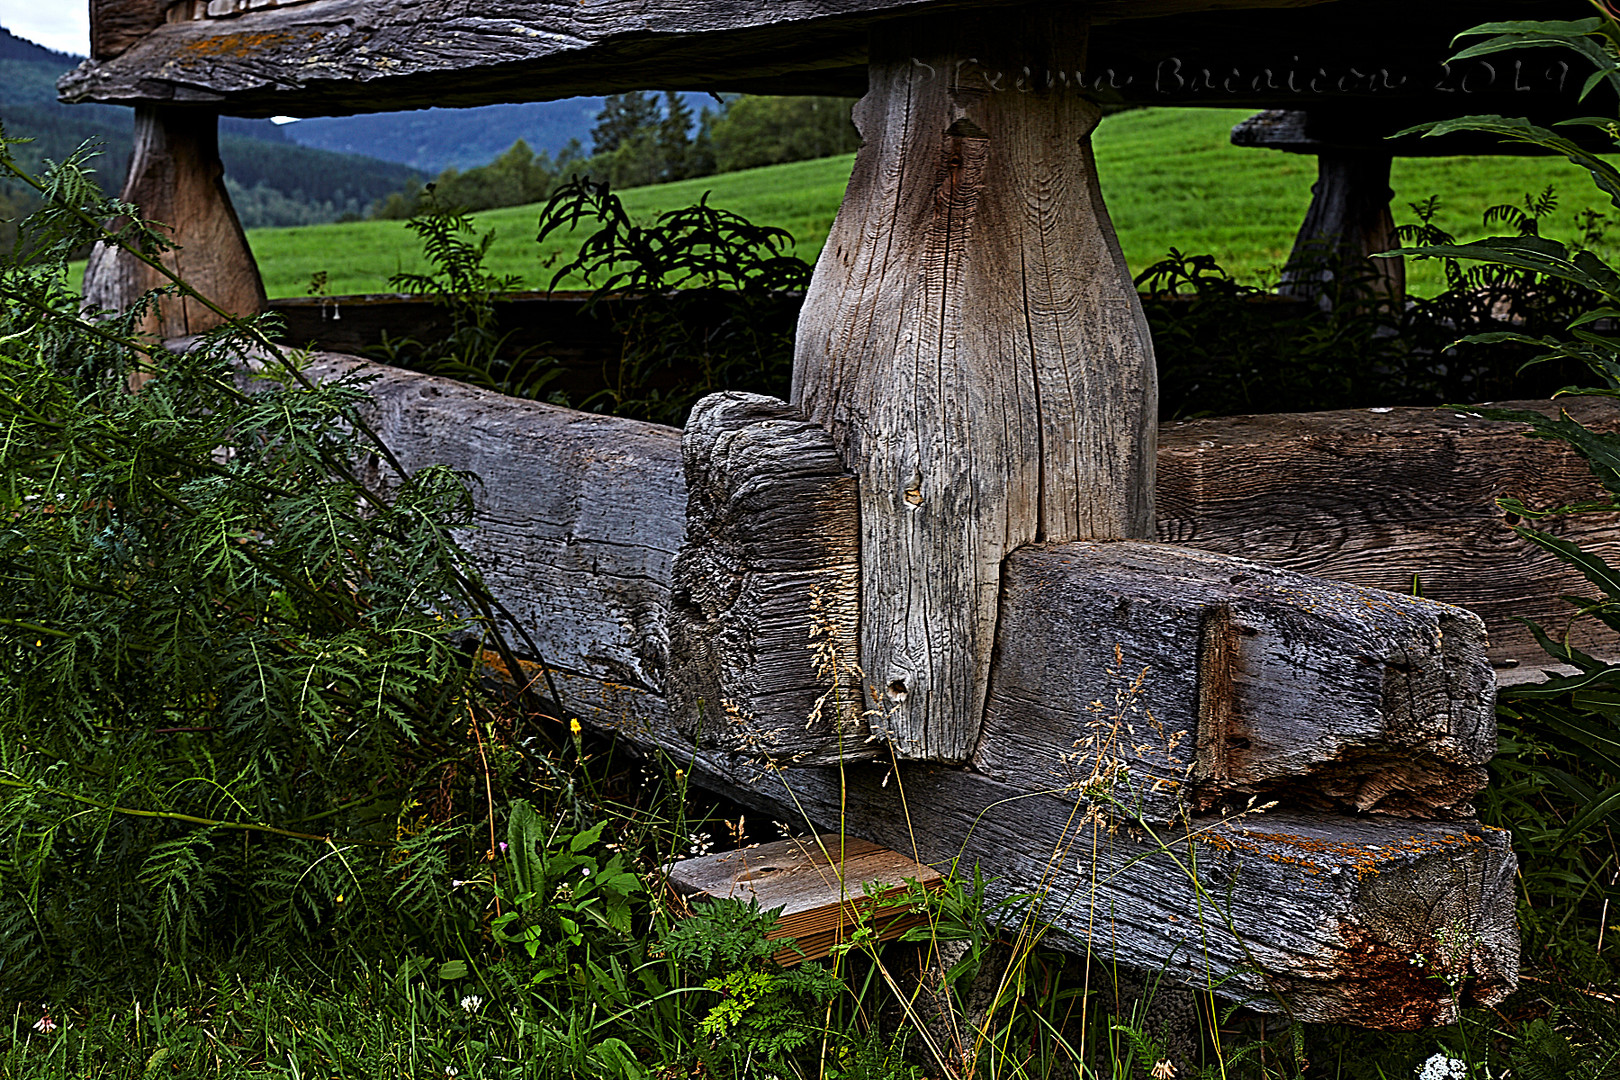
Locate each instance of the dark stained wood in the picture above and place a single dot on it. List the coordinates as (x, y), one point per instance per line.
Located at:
(1379, 498)
(825, 886)
(974, 343)
(1155, 679)
(176, 178)
(344, 56)
(764, 624)
(1348, 222)
(115, 25)
(1370, 130)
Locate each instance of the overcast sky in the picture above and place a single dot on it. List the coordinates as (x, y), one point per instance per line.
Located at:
(63, 25)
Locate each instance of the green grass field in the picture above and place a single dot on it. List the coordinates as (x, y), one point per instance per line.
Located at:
(1170, 176)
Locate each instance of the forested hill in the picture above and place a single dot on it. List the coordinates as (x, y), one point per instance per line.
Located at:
(273, 181)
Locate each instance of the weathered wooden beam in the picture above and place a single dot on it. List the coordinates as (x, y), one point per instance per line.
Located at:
(115, 25)
(1158, 679)
(1397, 499)
(764, 624)
(345, 56)
(580, 520)
(974, 343)
(1348, 222)
(176, 178)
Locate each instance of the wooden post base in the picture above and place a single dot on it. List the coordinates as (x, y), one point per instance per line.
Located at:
(1349, 221)
(974, 343)
(176, 178)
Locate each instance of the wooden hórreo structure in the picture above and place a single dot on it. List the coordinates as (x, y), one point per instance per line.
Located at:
(935, 566)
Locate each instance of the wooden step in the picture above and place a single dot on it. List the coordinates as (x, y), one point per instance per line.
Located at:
(826, 886)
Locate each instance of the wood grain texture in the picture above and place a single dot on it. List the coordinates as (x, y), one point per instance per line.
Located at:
(974, 343)
(344, 56)
(825, 886)
(764, 628)
(580, 520)
(1378, 498)
(115, 25)
(176, 178)
(1317, 915)
(1155, 679)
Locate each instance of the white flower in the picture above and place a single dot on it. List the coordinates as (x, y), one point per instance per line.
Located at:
(45, 1025)
(450, 1070)
(1442, 1067)
(1164, 1071)
(471, 1002)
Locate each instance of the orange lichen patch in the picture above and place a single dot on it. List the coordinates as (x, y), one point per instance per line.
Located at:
(244, 44)
(1364, 859)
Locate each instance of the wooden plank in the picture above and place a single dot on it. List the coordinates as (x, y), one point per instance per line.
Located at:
(974, 343)
(344, 56)
(764, 618)
(825, 886)
(176, 178)
(115, 25)
(1378, 497)
(1156, 679)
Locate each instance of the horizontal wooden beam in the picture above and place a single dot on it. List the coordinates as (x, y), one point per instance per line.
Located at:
(580, 520)
(330, 57)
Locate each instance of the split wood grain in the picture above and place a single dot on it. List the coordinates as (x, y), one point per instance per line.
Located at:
(974, 343)
(825, 887)
(176, 178)
(1155, 679)
(764, 620)
(1392, 498)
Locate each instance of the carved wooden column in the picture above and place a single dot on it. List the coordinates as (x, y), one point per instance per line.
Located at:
(176, 178)
(1349, 221)
(974, 343)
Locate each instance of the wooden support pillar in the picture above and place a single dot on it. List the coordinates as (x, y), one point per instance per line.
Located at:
(176, 178)
(974, 343)
(1348, 222)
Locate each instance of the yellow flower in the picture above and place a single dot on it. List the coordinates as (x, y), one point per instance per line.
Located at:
(573, 727)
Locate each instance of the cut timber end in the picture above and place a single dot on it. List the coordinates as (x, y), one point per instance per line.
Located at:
(826, 886)
(176, 178)
(764, 610)
(1163, 679)
(973, 341)
(115, 25)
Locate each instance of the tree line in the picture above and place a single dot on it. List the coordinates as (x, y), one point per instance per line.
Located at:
(640, 139)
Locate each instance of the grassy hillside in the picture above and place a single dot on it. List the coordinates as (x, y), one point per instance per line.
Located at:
(1170, 176)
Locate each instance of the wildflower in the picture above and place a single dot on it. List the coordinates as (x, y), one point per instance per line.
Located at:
(1164, 1071)
(574, 728)
(1442, 1067)
(450, 1070)
(45, 1025)
(470, 1003)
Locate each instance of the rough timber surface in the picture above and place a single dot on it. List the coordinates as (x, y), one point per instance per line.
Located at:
(764, 630)
(1165, 678)
(1396, 498)
(342, 56)
(581, 518)
(974, 343)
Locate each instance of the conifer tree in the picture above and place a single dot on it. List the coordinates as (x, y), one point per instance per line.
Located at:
(675, 137)
(623, 116)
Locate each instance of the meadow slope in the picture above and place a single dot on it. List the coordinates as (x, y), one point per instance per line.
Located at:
(1170, 177)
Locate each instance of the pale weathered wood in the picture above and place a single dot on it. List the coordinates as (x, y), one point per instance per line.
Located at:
(825, 886)
(764, 624)
(580, 519)
(1392, 498)
(974, 343)
(1349, 220)
(176, 179)
(115, 25)
(1324, 918)
(1155, 679)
